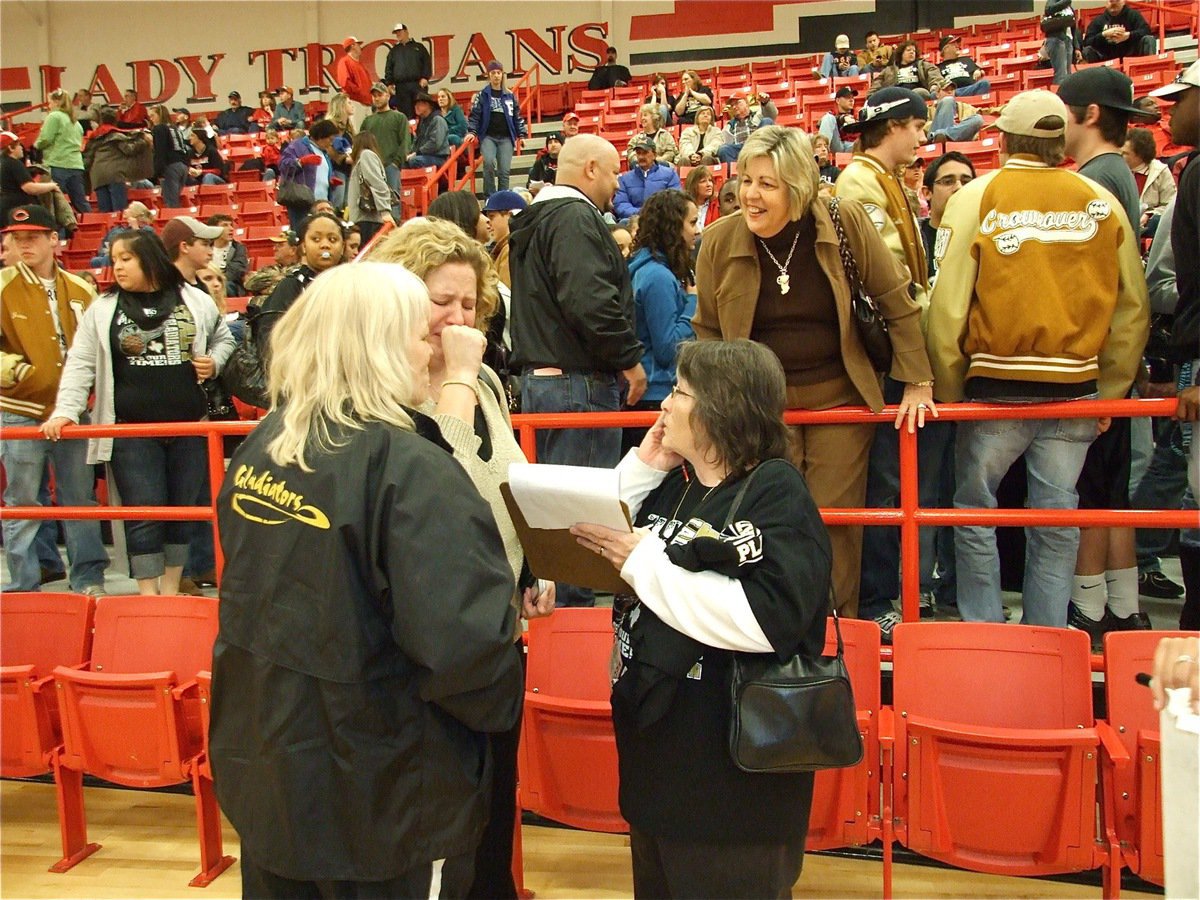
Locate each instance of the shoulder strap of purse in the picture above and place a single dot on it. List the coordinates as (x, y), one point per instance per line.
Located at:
(848, 261)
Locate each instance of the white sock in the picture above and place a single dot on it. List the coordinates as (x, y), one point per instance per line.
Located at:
(1122, 591)
(1090, 593)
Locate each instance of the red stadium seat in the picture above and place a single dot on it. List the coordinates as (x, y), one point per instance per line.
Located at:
(38, 632)
(995, 748)
(845, 806)
(1162, 65)
(256, 191)
(1130, 773)
(256, 214)
(218, 209)
(134, 716)
(568, 756)
(984, 154)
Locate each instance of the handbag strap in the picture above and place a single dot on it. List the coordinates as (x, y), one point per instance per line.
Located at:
(848, 261)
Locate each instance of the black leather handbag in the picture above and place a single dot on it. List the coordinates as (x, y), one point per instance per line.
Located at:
(794, 716)
(872, 327)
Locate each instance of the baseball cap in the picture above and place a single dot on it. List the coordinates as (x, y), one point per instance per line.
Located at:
(379, 88)
(643, 143)
(889, 103)
(571, 115)
(846, 92)
(7, 139)
(1022, 113)
(186, 228)
(399, 26)
(284, 87)
(1189, 77)
(233, 94)
(286, 236)
(495, 66)
(182, 110)
(350, 42)
(841, 42)
(504, 201)
(947, 40)
(1103, 85)
(33, 217)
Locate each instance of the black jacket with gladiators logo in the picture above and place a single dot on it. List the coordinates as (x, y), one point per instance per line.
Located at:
(365, 644)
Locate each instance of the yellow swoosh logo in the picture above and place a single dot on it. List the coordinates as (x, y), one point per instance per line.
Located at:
(306, 515)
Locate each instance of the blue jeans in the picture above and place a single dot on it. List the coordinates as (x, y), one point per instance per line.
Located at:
(24, 466)
(828, 68)
(1054, 450)
(1163, 486)
(728, 153)
(880, 582)
(72, 184)
(597, 447)
(392, 174)
(421, 160)
(45, 545)
(1061, 51)
(173, 178)
(112, 197)
(943, 122)
(159, 472)
(497, 156)
(974, 89)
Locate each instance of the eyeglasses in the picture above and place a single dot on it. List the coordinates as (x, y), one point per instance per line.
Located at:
(678, 391)
(951, 180)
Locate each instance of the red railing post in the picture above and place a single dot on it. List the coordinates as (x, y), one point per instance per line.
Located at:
(216, 475)
(910, 529)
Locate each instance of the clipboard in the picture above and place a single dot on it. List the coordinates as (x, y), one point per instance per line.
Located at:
(555, 555)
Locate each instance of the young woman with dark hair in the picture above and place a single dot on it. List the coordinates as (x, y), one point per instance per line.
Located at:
(147, 346)
(664, 293)
(463, 209)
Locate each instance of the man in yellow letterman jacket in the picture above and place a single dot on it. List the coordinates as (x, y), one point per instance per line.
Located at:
(891, 126)
(1040, 297)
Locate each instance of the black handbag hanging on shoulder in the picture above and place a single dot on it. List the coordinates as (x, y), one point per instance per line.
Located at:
(793, 716)
(871, 325)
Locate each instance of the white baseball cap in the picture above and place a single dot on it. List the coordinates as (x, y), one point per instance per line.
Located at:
(1188, 78)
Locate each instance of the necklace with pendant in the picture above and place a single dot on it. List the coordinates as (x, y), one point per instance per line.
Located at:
(784, 282)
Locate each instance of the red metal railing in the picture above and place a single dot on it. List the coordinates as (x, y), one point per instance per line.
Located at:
(909, 517)
(1165, 11)
(528, 91)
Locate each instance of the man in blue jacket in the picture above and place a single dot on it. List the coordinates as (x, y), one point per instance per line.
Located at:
(649, 177)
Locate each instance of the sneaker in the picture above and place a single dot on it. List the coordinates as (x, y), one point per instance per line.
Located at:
(886, 622)
(1094, 629)
(928, 605)
(1159, 586)
(189, 588)
(1138, 621)
(94, 590)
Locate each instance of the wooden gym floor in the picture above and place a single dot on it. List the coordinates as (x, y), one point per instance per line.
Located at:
(150, 850)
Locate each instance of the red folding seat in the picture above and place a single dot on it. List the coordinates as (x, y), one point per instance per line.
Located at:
(568, 755)
(134, 716)
(39, 631)
(1131, 759)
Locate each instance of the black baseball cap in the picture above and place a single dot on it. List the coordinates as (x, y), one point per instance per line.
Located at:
(233, 94)
(1102, 85)
(33, 217)
(846, 92)
(889, 103)
(947, 40)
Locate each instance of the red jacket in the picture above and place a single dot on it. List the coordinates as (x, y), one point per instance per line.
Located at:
(353, 78)
(135, 116)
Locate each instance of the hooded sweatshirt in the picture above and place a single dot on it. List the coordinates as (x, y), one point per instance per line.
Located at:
(664, 319)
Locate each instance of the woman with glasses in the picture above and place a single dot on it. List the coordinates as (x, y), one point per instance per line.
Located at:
(729, 554)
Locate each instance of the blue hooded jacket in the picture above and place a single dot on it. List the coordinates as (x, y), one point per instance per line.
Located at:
(664, 319)
(636, 185)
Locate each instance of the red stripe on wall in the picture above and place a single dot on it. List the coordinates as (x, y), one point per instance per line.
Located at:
(698, 18)
(14, 78)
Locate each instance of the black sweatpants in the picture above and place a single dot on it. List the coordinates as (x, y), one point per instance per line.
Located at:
(665, 868)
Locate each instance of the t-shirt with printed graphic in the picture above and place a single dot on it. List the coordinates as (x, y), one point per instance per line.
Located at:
(154, 379)
(959, 72)
(907, 77)
(498, 122)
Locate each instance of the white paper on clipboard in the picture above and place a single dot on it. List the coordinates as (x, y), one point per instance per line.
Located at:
(557, 497)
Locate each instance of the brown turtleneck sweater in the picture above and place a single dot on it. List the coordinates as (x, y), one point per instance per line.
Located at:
(802, 326)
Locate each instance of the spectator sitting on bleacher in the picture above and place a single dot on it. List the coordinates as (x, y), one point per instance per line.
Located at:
(743, 122)
(131, 115)
(661, 97)
(840, 62)
(699, 143)
(289, 113)
(1119, 31)
(831, 124)
(644, 179)
(237, 119)
(137, 215)
(693, 96)
(875, 57)
(908, 70)
(651, 119)
(206, 165)
(1062, 46)
(961, 71)
(545, 167)
(1154, 181)
(609, 75)
(287, 255)
(456, 119)
(829, 171)
(113, 158)
(261, 117)
(570, 125)
(952, 120)
(269, 153)
(431, 145)
(229, 257)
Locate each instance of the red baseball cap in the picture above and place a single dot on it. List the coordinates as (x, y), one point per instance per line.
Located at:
(7, 139)
(350, 42)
